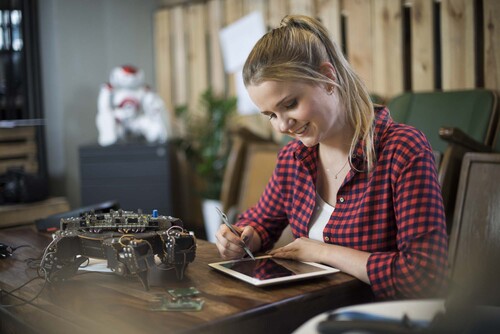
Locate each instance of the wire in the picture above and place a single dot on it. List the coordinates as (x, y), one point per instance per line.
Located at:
(127, 236)
(132, 237)
(32, 264)
(25, 302)
(42, 261)
(175, 227)
(159, 267)
(9, 250)
(13, 249)
(91, 238)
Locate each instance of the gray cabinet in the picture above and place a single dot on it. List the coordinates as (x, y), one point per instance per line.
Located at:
(138, 176)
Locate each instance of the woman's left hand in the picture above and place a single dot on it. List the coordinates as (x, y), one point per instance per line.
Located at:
(302, 249)
(348, 260)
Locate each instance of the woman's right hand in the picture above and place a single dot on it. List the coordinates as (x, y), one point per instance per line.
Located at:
(230, 245)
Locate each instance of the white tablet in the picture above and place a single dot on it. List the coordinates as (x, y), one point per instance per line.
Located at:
(266, 270)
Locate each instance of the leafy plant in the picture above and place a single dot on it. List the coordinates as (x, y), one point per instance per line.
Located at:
(206, 140)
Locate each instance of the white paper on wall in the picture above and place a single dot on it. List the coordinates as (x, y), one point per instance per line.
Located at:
(245, 104)
(237, 40)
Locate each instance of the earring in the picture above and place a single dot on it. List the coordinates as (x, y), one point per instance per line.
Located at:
(329, 89)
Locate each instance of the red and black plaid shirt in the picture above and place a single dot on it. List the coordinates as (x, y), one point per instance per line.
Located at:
(395, 212)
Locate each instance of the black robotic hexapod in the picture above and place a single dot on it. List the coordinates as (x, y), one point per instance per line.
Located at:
(128, 240)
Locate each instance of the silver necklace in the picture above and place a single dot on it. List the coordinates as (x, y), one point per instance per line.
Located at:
(341, 169)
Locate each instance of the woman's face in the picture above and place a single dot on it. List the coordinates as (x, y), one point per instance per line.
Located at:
(304, 111)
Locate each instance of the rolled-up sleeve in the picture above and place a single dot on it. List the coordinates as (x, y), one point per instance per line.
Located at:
(419, 266)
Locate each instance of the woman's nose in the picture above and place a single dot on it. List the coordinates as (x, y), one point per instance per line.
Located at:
(286, 124)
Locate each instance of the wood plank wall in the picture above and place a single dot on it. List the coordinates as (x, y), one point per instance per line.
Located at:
(395, 45)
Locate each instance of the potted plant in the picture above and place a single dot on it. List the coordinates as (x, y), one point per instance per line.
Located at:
(206, 140)
(206, 144)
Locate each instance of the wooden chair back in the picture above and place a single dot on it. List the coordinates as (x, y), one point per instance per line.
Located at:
(474, 252)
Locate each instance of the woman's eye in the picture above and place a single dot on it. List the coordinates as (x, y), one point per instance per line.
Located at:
(271, 116)
(291, 105)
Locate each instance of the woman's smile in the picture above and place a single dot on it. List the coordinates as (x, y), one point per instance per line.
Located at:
(300, 130)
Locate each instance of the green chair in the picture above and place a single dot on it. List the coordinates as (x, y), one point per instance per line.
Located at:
(455, 122)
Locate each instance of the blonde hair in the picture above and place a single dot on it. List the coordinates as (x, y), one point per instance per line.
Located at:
(295, 51)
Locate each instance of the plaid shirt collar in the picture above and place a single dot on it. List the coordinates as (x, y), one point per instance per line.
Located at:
(382, 124)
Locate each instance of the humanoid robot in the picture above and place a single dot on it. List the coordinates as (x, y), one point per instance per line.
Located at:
(129, 111)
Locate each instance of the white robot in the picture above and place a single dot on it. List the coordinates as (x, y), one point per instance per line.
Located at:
(129, 111)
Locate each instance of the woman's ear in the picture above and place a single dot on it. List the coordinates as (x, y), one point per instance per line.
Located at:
(328, 70)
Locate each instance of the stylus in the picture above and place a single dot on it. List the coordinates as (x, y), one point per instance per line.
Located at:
(224, 219)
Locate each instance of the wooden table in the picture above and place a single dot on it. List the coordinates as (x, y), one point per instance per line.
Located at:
(108, 303)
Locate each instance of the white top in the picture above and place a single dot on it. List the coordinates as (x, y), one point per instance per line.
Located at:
(321, 216)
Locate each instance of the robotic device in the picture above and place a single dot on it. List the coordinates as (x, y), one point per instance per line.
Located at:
(128, 240)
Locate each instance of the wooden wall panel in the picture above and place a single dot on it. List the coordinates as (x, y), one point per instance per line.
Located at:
(255, 122)
(373, 32)
(217, 78)
(492, 44)
(359, 38)
(250, 6)
(457, 44)
(234, 10)
(163, 73)
(179, 57)
(277, 10)
(197, 54)
(328, 11)
(303, 7)
(387, 48)
(422, 45)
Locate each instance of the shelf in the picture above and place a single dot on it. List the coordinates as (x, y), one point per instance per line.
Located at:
(26, 213)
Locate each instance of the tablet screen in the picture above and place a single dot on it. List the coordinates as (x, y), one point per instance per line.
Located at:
(267, 270)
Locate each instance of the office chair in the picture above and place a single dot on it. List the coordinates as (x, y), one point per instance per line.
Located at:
(235, 171)
(455, 122)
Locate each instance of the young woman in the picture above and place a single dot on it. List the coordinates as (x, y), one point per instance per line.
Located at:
(359, 191)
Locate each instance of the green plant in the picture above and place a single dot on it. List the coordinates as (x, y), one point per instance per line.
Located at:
(206, 140)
